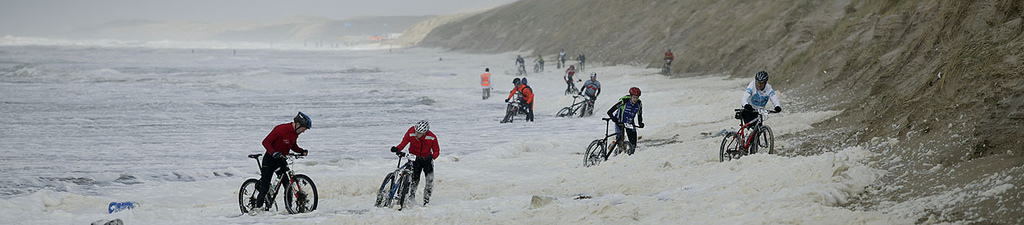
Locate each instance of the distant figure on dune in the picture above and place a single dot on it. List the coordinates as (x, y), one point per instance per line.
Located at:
(561, 59)
(583, 61)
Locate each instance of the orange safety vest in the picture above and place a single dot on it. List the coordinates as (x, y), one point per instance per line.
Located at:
(485, 79)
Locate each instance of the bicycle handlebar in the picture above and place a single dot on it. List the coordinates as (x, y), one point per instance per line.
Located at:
(632, 125)
(758, 110)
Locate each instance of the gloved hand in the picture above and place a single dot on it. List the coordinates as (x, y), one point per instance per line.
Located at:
(395, 149)
(506, 100)
(277, 155)
(641, 124)
(778, 109)
(615, 120)
(304, 152)
(748, 107)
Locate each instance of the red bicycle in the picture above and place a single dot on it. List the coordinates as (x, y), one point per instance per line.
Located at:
(739, 143)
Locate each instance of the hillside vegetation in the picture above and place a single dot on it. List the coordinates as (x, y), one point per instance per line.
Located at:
(941, 82)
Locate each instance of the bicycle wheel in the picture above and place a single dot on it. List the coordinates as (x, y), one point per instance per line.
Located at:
(729, 149)
(766, 139)
(301, 196)
(564, 112)
(384, 196)
(247, 195)
(403, 191)
(594, 154)
(510, 113)
(582, 109)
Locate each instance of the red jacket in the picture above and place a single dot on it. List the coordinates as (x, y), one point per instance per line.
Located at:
(422, 147)
(282, 139)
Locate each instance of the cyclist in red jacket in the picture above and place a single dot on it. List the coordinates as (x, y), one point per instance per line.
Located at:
(423, 144)
(278, 143)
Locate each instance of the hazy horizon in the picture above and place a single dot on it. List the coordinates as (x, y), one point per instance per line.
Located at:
(48, 17)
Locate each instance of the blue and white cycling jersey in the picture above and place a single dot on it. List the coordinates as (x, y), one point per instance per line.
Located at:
(759, 98)
(626, 110)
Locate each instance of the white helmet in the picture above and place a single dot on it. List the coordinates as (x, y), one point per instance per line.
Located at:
(422, 127)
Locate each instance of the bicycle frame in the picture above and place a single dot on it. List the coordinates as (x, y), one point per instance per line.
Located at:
(391, 188)
(575, 106)
(621, 143)
(399, 172)
(743, 139)
(277, 181)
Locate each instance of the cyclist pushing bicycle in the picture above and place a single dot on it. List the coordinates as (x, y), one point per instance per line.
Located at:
(622, 113)
(591, 89)
(278, 143)
(423, 144)
(758, 93)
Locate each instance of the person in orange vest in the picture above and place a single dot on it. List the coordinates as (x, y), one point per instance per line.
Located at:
(485, 82)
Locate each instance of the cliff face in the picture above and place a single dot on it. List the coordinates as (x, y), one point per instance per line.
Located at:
(943, 78)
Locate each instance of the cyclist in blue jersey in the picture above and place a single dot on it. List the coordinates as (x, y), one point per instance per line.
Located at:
(622, 113)
(758, 93)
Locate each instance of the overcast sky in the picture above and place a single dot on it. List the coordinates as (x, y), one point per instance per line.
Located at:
(26, 17)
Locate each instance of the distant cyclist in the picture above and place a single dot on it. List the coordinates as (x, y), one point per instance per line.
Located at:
(669, 57)
(278, 143)
(485, 82)
(758, 93)
(591, 89)
(622, 113)
(423, 144)
(520, 65)
(570, 84)
(540, 61)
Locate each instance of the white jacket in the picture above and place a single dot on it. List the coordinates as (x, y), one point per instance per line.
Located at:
(759, 99)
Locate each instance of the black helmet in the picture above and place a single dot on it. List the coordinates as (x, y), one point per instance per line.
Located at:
(515, 81)
(761, 77)
(303, 120)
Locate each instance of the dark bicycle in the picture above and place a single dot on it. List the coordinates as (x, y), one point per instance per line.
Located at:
(739, 143)
(598, 151)
(515, 107)
(300, 194)
(667, 68)
(395, 188)
(584, 108)
(521, 70)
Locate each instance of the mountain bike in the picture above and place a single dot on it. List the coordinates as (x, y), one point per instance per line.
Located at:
(538, 67)
(581, 107)
(522, 70)
(739, 143)
(395, 188)
(667, 68)
(515, 107)
(570, 85)
(300, 194)
(598, 151)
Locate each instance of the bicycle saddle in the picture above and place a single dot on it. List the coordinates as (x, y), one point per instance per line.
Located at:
(254, 155)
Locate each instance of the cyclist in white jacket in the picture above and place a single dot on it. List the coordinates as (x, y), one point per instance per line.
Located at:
(758, 93)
